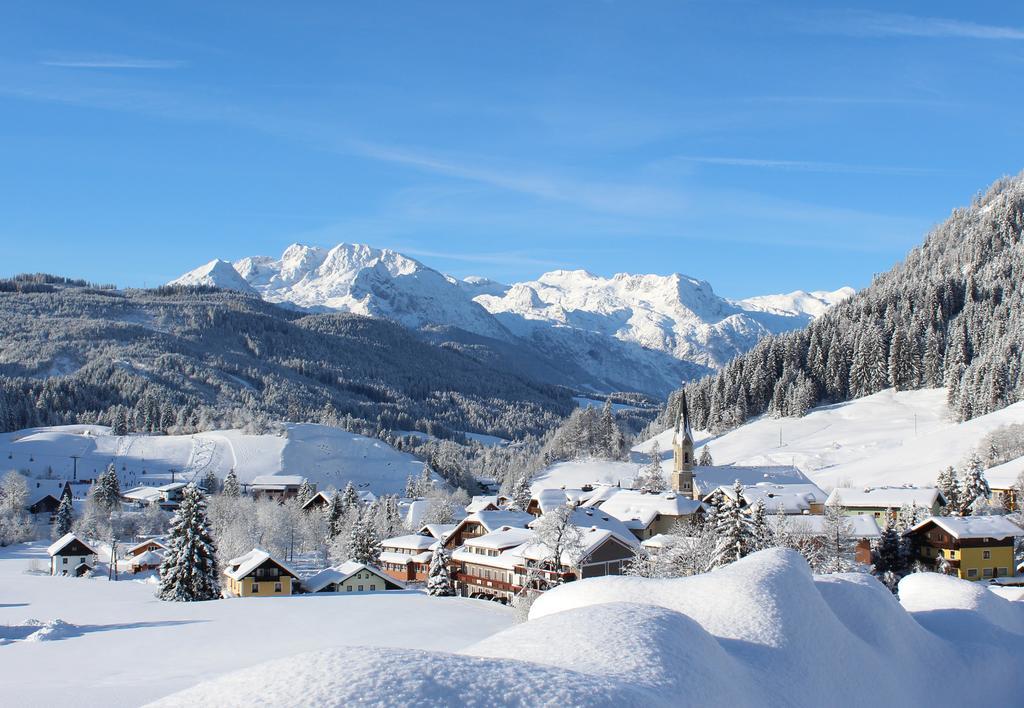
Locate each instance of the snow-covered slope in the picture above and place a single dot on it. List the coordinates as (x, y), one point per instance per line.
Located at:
(760, 632)
(327, 456)
(674, 314)
(366, 281)
(216, 274)
(628, 332)
(889, 438)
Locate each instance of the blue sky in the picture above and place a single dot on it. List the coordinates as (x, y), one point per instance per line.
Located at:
(763, 147)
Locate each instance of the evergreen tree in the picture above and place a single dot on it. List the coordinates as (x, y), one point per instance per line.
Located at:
(520, 496)
(837, 552)
(761, 534)
(305, 492)
(887, 557)
(971, 484)
(350, 497)
(732, 527)
(210, 482)
(439, 581)
(947, 484)
(705, 457)
(65, 517)
(231, 487)
(364, 543)
(651, 479)
(189, 570)
(336, 515)
(107, 489)
(411, 489)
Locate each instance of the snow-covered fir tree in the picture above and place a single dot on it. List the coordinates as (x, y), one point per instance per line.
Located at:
(231, 487)
(837, 552)
(705, 457)
(210, 482)
(947, 484)
(336, 513)
(733, 529)
(887, 555)
(305, 492)
(761, 533)
(971, 484)
(439, 581)
(64, 519)
(107, 492)
(189, 570)
(651, 479)
(364, 543)
(350, 497)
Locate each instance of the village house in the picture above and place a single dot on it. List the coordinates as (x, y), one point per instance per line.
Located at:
(1003, 480)
(879, 501)
(975, 547)
(317, 502)
(145, 555)
(407, 558)
(484, 522)
(795, 498)
(438, 532)
(645, 515)
(44, 497)
(258, 574)
(168, 496)
(484, 567)
(70, 555)
(601, 552)
(277, 487)
(350, 577)
(482, 503)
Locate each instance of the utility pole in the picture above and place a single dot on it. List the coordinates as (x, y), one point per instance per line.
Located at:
(112, 569)
(780, 434)
(74, 459)
(915, 425)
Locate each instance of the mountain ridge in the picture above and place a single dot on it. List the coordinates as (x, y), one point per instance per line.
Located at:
(626, 332)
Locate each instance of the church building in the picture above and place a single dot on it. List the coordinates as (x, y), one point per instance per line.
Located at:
(682, 454)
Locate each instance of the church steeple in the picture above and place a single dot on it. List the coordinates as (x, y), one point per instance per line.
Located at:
(682, 452)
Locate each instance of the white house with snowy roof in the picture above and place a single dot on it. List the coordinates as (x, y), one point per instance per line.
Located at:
(70, 555)
(349, 577)
(407, 558)
(276, 486)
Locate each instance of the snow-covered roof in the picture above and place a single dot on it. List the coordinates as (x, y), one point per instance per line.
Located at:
(415, 510)
(146, 542)
(492, 520)
(412, 541)
(58, 545)
(506, 560)
(341, 573)
(587, 519)
(860, 525)
(793, 498)
(39, 489)
(660, 540)
(708, 478)
(1005, 476)
(173, 486)
(240, 567)
(479, 503)
(885, 497)
(438, 531)
(147, 558)
(319, 495)
(590, 540)
(637, 509)
(548, 499)
(145, 494)
(961, 527)
(276, 481)
(505, 537)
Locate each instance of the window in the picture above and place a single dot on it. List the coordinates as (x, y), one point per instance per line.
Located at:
(348, 588)
(972, 572)
(988, 572)
(1004, 572)
(360, 588)
(64, 559)
(255, 587)
(277, 587)
(986, 554)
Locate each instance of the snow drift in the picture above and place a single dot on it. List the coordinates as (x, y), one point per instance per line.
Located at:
(763, 631)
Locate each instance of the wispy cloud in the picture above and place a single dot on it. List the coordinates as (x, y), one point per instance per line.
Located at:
(804, 165)
(884, 24)
(108, 61)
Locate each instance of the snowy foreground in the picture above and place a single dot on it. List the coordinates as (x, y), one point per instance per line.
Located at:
(120, 646)
(763, 631)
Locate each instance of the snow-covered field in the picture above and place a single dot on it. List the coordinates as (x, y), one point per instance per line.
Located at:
(888, 438)
(123, 647)
(761, 632)
(327, 456)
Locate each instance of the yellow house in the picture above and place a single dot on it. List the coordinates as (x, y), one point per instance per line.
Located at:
(976, 547)
(258, 574)
(351, 577)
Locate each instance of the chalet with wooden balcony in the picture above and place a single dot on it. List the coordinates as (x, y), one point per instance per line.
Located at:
(258, 574)
(975, 547)
(407, 558)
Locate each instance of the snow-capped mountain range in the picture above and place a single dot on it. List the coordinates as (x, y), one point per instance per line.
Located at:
(627, 332)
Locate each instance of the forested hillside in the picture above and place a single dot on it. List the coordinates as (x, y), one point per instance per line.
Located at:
(187, 359)
(952, 314)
